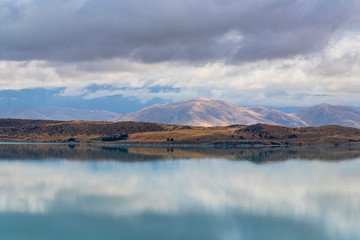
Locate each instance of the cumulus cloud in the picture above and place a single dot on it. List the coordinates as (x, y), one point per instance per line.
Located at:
(247, 52)
(327, 76)
(159, 31)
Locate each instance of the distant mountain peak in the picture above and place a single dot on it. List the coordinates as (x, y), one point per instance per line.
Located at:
(200, 99)
(213, 112)
(329, 105)
(324, 104)
(210, 112)
(330, 114)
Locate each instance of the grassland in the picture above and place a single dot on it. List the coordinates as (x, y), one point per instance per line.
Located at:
(16, 130)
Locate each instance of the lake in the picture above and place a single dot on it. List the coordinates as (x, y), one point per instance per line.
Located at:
(50, 191)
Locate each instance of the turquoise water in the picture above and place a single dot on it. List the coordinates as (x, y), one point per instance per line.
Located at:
(109, 192)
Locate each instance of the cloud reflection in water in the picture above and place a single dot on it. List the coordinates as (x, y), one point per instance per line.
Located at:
(323, 194)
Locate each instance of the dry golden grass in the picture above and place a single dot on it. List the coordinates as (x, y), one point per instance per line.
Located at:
(141, 132)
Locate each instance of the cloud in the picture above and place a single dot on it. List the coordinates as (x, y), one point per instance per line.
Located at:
(327, 76)
(275, 93)
(290, 52)
(192, 31)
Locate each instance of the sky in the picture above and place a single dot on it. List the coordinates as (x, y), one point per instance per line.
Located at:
(133, 53)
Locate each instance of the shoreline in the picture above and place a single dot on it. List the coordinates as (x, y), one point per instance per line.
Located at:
(162, 145)
(162, 135)
(137, 152)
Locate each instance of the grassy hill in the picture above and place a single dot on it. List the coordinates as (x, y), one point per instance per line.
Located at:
(153, 133)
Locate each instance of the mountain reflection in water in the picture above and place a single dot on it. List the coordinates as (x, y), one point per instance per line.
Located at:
(82, 152)
(111, 192)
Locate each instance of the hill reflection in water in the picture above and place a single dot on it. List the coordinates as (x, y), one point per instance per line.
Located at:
(50, 191)
(80, 152)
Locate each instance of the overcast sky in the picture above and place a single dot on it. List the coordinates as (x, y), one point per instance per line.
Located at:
(259, 52)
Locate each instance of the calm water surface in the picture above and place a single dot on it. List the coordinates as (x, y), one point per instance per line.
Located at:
(110, 192)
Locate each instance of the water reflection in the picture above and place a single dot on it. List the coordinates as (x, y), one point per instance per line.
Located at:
(203, 197)
(135, 153)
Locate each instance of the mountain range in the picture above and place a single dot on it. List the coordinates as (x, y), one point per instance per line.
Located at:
(201, 112)
(58, 113)
(207, 112)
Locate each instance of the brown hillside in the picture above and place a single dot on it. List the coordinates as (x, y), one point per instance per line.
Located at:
(153, 133)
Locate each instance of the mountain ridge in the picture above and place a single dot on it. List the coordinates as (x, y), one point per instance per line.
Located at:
(58, 113)
(201, 112)
(210, 112)
(329, 114)
(197, 112)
